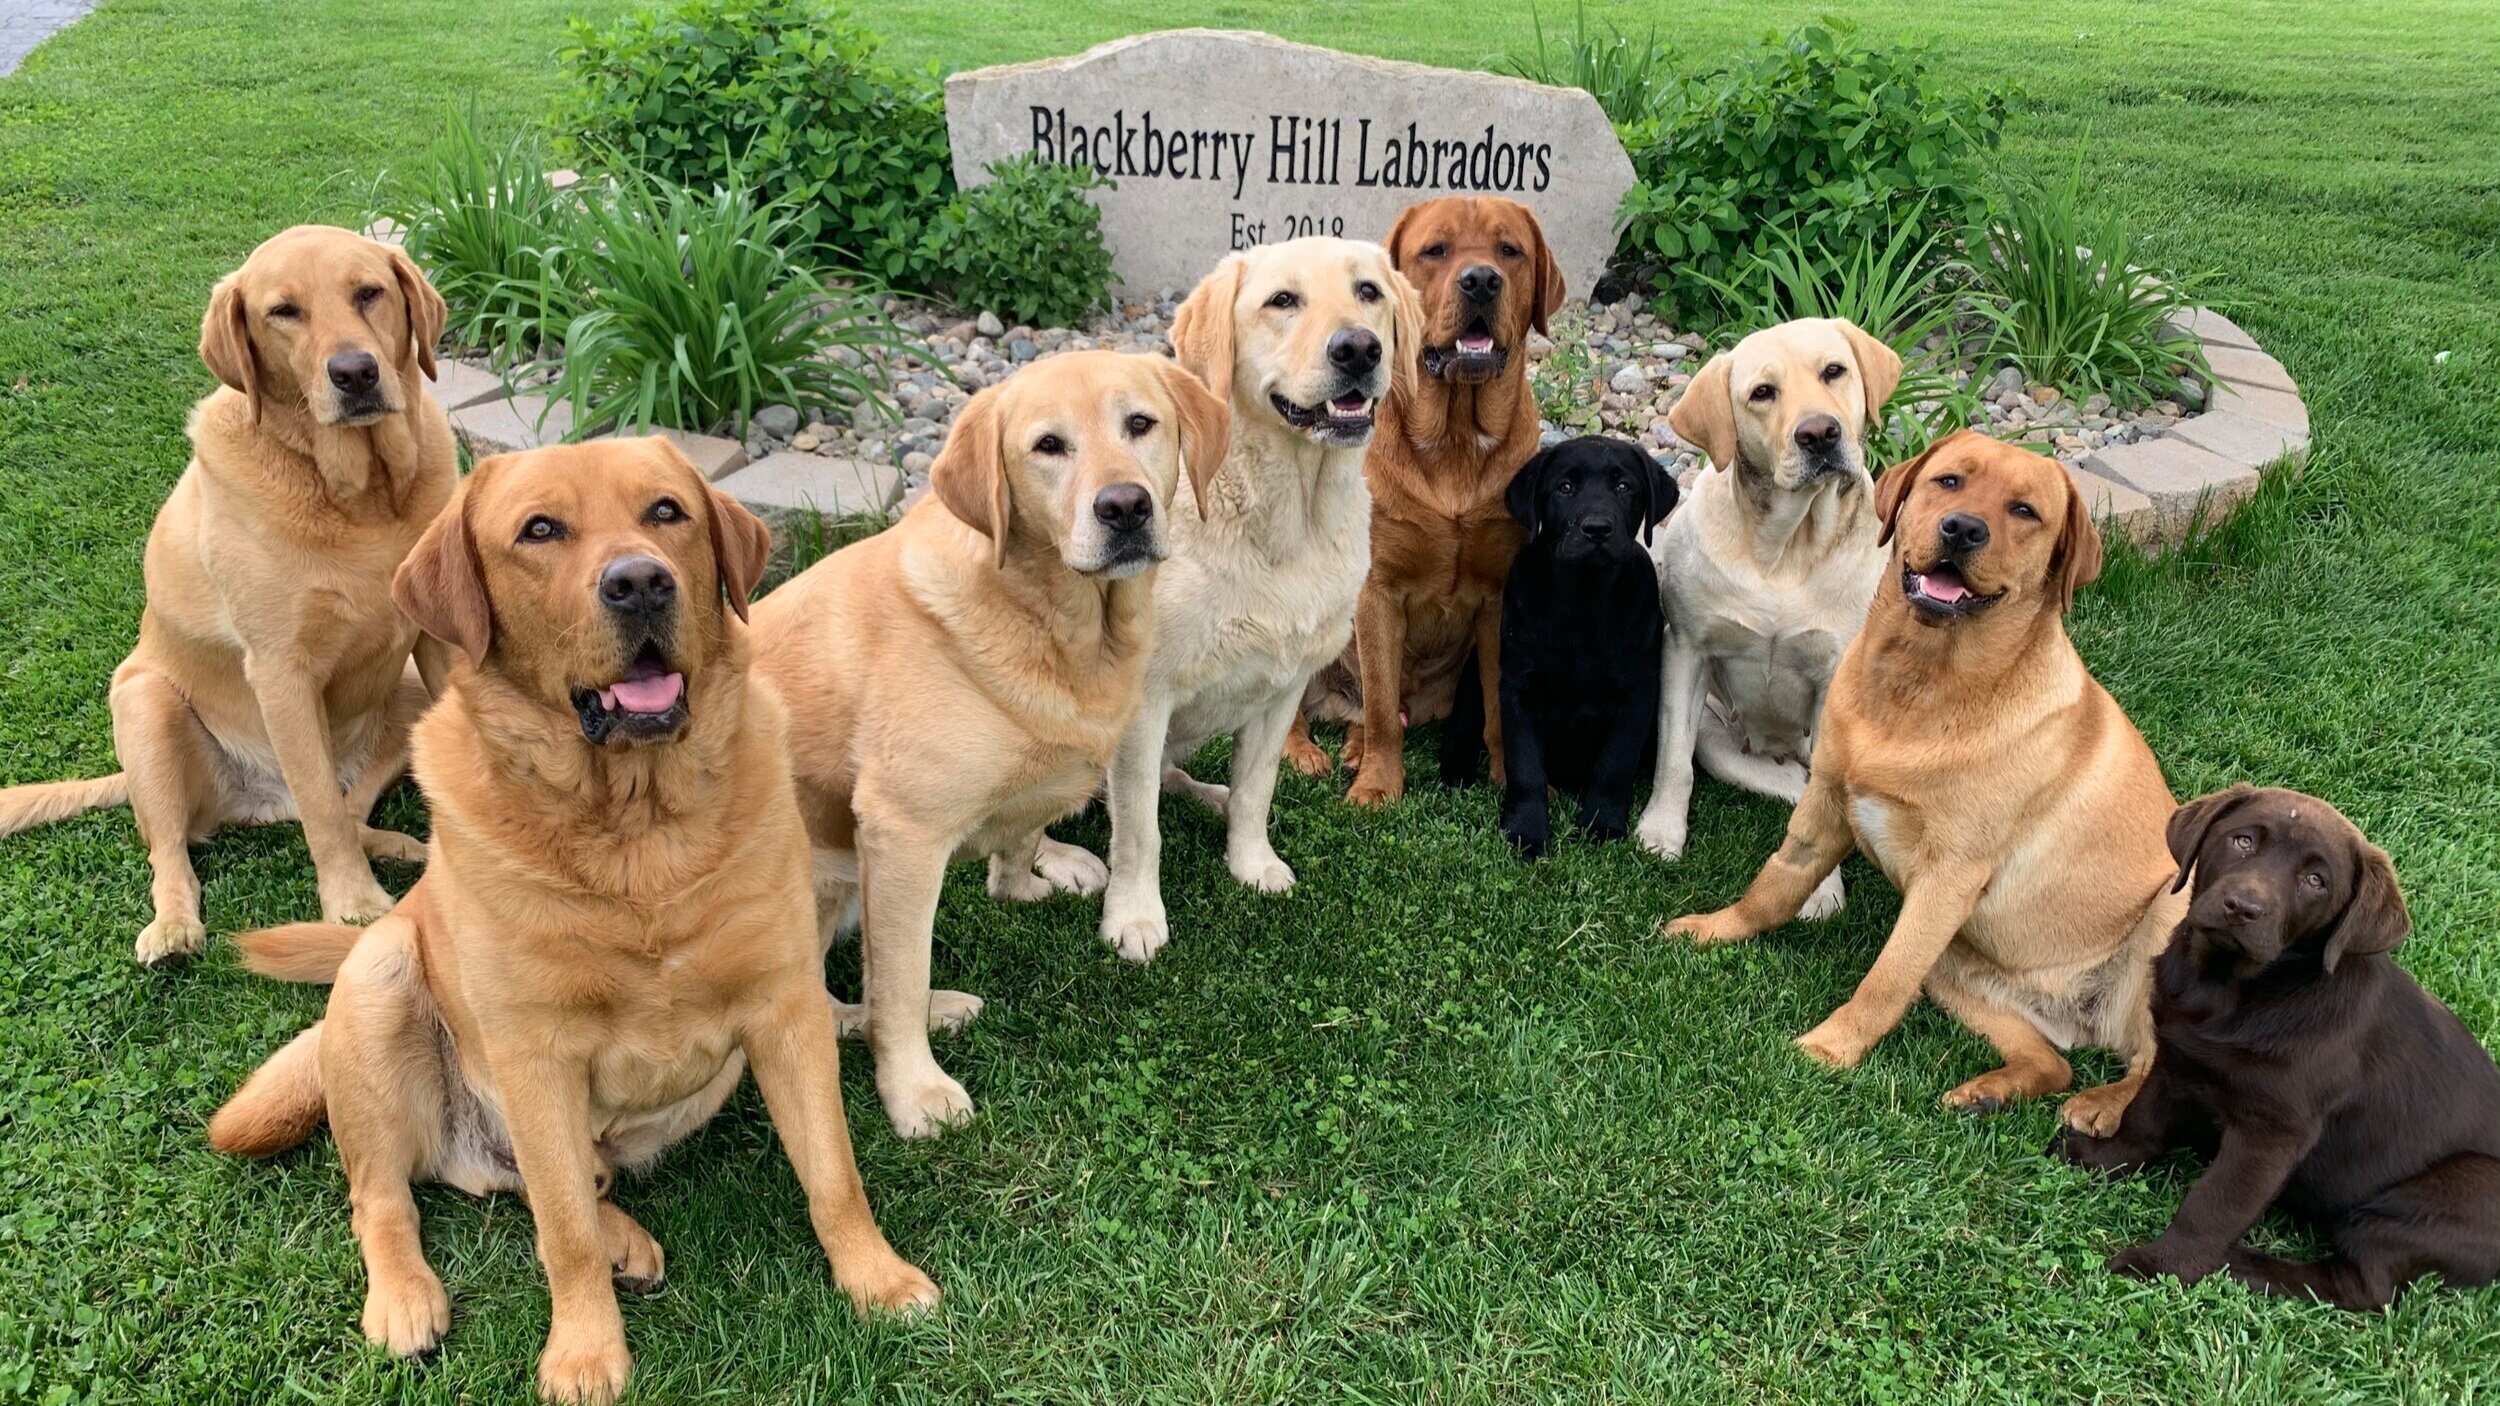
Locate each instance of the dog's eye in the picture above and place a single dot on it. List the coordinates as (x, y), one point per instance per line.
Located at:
(1436, 251)
(1367, 291)
(1949, 482)
(1623, 485)
(2314, 879)
(1568, 487)
(284, 310)
(1139, 424)
(541, 529)
(1050, 444)
(1764, 393)
(666, 510)
(2243, 843)
(1834, 372)
(366, 294)
(2025, 510)
(1283, 300)
(1509, 250)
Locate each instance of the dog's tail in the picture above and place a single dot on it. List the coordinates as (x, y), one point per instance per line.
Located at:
(278, 1107)
(25, 807)
(308, 952)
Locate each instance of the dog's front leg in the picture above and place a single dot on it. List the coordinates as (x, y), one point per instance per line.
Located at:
(1489, 683)
(1680, 686)
(797, 1063)
(1939, 900)
(1256, 748)
(1525, 817)
(2248, 1172)
(1819, 837)
(299, 732)
(900, 873)
(1132, 907)
(1380, 647)
(1606, 809)
(546, 1107)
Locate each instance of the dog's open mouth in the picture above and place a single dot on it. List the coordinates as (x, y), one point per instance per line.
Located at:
(648, 702)
(1941, 592)
(1472, 356)
(1344, 420)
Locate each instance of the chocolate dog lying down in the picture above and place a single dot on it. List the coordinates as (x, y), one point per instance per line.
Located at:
(2309, 1067)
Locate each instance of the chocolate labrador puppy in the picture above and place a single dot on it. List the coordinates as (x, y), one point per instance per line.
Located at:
(1582, 634)
(2309, 1067)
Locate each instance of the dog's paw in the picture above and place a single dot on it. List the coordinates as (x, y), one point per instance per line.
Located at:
(1138, 937)
(850, 1019)
(1993, 1092)
(358, 900)
(924, 1105)
(1072, 868)
(1707, 929)
(886, 1284)
(1834, 1044)
(2156, 1259)
(1009, 884)
(1662, 834)
(1824, 901)
(1213, 795)
(1371, 792)
(635, 1260)
(408, 1318)
(1530, 838)
(2097, 1112)
(1305, 756)
(171, 940)
(394, 846)
(951, 1011)
(590, 1372)
(1262, 870)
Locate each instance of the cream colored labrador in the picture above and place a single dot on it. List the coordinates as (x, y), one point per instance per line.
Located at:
(1766, 569)
(1304, 338)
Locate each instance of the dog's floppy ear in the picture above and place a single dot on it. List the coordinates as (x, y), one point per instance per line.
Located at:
(1406, 368)
(970, 474)
(1206, 425)
(2376, 920)
(1202, 329)
(1879, 367)
(1658, 493)
(1526, 495)
(441, 584)
(2190, 823)
(2077, 561)
(1706, 418)
(1893, 489)
(1549, 279)
(226, 341)
(425, 308)
(1396, 242)
(741, 545)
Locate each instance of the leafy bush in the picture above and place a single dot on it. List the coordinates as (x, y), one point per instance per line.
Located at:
(1027, 246)
(2072, 304)
(1815, 135)
(477, 216)
(786, 97)
(660, 305)
(1627, 79)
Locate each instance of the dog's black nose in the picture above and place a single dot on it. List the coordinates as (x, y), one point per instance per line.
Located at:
(2242, 908)
(1480, 284)
(1123, 507)
(1354, 350)
(1598, 529)
(354, 372)
(1818, 434)
(1962, 532)
(637, 585)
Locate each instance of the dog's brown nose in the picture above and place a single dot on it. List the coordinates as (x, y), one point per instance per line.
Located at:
(637, 585)
(1480, 284)
(1818, 433)
(1354, 350)
(1962, 532)
(1123, 507)
(354, 372)
(2242, 908)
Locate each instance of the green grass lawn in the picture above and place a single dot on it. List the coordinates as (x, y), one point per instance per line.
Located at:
(1437, 1127)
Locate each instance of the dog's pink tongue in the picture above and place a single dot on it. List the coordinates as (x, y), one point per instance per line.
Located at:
(1946, 590)
(656, 695)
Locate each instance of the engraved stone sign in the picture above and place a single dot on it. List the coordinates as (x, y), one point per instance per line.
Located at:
(1221, 139)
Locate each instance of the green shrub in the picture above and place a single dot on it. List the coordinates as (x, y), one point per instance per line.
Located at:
(1627, 79)
(476, 216)
(787, 97)
(2073, 303)
(1027, 246)
(663, 306)
(1816, 135)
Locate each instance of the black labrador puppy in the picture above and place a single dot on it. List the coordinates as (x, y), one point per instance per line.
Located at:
(2309, 1068)
(1582, 632)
